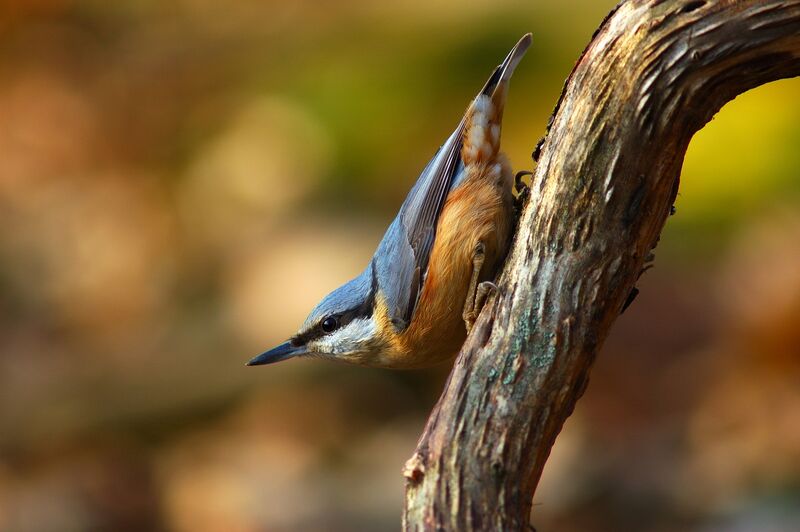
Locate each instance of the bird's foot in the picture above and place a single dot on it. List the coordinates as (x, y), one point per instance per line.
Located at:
(523, 191)
(482, 293)
(478, 256)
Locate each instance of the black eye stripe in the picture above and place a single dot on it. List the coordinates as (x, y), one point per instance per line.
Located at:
(320, 330)
(364, 310)
(336, 321)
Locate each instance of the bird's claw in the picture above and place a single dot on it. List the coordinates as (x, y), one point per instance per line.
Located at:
(523, 190)
(519, 185)
(482, 293)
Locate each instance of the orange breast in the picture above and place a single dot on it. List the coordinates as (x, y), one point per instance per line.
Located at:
(480, 209)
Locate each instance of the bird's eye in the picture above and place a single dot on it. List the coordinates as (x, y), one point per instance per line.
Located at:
(330, 324)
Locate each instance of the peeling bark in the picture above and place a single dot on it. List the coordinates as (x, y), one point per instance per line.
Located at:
(654, 73)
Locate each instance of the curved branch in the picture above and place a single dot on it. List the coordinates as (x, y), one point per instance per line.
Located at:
(655, 72)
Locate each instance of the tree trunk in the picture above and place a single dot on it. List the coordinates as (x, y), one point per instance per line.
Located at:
(654, 73)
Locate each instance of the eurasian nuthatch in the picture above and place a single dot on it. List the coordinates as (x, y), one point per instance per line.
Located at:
(434, 266)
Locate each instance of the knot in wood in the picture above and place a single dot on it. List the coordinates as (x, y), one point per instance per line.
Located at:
(414, 469)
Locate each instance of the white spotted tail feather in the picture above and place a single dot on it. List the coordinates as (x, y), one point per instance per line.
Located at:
(482, 128)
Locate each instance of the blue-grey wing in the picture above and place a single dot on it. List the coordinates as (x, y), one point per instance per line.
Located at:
(401, 261)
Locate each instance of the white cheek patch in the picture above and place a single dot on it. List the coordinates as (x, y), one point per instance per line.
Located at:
(348, 339)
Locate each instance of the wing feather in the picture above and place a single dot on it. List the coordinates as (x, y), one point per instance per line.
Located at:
(403, 255)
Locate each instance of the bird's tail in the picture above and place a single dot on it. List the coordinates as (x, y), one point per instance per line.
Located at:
(504, 71)
(481, 124)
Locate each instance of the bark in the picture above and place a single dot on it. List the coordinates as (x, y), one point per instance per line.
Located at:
(654, 73)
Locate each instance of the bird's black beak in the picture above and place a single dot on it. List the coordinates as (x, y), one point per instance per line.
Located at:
(276, 354)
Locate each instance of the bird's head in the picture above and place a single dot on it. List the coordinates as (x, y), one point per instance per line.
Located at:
(343, 327)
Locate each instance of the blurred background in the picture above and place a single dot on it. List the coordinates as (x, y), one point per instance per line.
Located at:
(181, 182)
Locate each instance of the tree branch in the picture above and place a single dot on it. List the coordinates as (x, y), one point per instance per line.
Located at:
(654, 73)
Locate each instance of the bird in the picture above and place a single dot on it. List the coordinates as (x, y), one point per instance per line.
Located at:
(420, 294)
